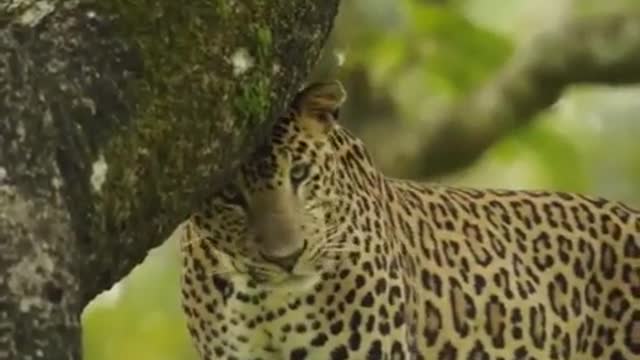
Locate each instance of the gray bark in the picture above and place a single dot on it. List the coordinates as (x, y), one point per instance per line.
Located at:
(115, 118)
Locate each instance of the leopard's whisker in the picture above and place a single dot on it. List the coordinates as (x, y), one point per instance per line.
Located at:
(340, 246)
(322, 241)
(322, 203)
(344, 250)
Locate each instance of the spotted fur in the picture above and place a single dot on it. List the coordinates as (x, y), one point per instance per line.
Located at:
(311, 253)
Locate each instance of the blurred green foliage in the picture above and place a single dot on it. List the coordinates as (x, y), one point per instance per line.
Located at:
(140, 318)
(401, 62)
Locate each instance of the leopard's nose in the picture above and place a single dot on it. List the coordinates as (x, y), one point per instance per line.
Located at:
(287, 262)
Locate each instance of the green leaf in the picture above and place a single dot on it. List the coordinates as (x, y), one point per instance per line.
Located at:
(558, 156)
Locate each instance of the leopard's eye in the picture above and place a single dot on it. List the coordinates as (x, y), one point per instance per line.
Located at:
(299, 173)
(232, 195)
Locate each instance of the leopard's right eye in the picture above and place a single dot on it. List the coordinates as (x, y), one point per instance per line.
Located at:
(232, 195)
(299, 173)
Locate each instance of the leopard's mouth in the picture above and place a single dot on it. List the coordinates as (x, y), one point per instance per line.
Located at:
(287, 262)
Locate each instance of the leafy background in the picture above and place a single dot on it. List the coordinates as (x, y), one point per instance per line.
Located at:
(402, 62)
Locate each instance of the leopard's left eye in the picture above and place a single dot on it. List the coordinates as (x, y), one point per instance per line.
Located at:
(232, 195)
(299, 173)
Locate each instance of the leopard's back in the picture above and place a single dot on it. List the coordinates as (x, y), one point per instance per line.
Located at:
(519, 274)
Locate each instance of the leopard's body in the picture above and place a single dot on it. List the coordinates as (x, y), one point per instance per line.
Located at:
(313, 254)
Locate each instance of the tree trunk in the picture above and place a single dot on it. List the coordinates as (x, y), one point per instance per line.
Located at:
(116, 117)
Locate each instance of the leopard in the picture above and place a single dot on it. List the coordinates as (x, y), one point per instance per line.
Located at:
(310, 252)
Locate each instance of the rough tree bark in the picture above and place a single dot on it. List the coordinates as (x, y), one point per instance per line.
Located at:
(115, 118)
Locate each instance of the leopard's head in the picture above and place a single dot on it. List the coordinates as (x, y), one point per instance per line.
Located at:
(282, 216)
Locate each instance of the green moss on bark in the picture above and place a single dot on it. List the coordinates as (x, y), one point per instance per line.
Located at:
(185, 48)
(198, 109)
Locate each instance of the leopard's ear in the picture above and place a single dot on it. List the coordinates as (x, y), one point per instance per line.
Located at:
(321, 100)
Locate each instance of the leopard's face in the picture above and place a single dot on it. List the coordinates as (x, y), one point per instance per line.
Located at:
(275, 220)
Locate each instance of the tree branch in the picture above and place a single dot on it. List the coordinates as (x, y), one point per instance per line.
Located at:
(604, 49)
(116, 118)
